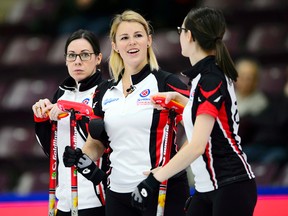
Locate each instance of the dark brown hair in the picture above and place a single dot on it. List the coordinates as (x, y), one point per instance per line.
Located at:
(88, 35)
(208, 26)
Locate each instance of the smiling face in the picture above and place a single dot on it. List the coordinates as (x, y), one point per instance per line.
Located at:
(132, 42)
(78, 69)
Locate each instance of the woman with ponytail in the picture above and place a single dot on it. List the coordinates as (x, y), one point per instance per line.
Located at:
(224, 182)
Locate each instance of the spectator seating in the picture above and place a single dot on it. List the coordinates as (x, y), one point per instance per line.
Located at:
(265, 173)
(26, 50)
(18, 142)
(233, 39)
(282, 178)
(268, 37)
(23, 92)
(35, 180)
(55, 54)
(4, 182)
(32, 65)
(265, 4)
(273, 79)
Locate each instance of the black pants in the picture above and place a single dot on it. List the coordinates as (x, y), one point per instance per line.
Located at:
(100, 211)
(237, 199)
(177, 193)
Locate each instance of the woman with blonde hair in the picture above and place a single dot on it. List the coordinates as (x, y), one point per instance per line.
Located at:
(133, 128)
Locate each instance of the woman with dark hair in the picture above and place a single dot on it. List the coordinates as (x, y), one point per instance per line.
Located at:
(83, 58)
(224, 182)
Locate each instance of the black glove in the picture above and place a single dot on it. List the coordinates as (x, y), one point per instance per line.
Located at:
(144, 190)
(71, 156)
(84, 164)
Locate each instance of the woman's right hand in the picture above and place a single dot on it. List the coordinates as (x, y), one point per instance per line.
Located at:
(167, 95)
(41, 108)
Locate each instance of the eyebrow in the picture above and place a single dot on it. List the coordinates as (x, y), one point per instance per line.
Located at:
(124, 34)
(85, 50)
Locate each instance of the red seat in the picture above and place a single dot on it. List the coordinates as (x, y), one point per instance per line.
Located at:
(267, 38)
(273, 79)
(282, 179)
(56, 51)
(32, 181)
(105, 45)
(3, 44)
(3, 88)
(23, 12)
(266, 4)
(4, 182)
(233, 39)
(265, 173)
(17, 141)
(23, 93)
(167, 45)
(224, 4)
(26, 50)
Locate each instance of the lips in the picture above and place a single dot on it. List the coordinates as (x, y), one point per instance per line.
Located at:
(133, 51)
(78, 70)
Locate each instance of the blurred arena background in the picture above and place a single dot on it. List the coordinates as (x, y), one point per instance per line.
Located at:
(32, 37)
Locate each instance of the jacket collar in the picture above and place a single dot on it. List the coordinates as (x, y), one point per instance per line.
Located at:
(200, 67)
(70, 84)
(136, 78)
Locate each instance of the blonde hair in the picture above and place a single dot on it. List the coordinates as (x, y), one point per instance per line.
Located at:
(116, 64)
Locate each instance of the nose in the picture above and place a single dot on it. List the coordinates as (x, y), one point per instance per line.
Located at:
(78, 60)
(132, 41)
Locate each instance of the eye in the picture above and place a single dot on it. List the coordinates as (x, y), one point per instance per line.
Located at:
(85, 55)
(138, 35)
(71, 55)
(124, 38)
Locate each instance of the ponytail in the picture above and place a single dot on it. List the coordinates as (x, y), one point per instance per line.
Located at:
(208, 27)
(224, 61)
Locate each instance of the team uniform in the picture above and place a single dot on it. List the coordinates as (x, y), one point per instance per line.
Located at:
(222, 171)
(91, 198)
(135, 133)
